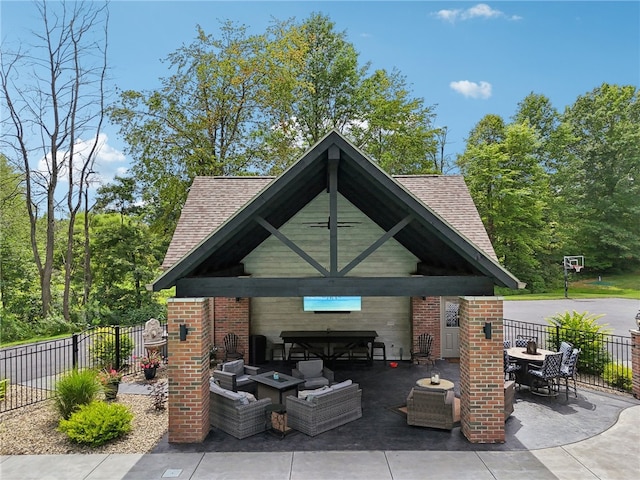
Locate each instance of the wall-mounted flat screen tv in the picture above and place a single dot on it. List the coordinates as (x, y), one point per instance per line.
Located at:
(331, 304)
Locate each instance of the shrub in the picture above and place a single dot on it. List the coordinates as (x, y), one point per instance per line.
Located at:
(79, 387)
(618, 376)
(103, 349)
(97, 423)
(582, 330)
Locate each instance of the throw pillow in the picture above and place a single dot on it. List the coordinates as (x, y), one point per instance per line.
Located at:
(337, 386)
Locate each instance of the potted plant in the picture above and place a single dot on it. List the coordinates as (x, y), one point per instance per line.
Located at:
(110, 380)
(150, 363)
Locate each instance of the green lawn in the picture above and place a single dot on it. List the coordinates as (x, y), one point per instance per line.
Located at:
(614, 286)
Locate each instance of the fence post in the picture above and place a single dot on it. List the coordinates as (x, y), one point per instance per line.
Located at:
(557, 337)
(117, 327)
(74, 351)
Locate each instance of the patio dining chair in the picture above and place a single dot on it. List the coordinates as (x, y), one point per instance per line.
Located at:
(231, 351)
(423, 350)
(510, 367)
(546, 376)
(566, 349)
(569, 370)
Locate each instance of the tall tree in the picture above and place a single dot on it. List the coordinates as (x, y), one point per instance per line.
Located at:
(17, 269)
(55, 92)
(510, 190)
(241, 103)
(602, 180)
(203, 120)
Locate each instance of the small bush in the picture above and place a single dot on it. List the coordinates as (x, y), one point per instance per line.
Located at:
(79, 387)
(582, 330)
(618, 376)
(97, 423)
(103, 350)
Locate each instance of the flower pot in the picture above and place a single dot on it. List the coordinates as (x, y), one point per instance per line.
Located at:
(111, 391)
(150, 373)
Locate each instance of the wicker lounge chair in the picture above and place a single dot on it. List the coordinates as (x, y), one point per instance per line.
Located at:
(320, 412)
(235, 414)
(431, 408)
(235, 375)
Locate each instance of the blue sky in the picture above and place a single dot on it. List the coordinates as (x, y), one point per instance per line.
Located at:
(467, 59)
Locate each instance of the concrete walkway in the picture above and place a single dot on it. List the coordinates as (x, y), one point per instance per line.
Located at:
(611, 455)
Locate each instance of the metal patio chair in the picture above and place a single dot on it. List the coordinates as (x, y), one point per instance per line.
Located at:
(568, 371)
(546, 376)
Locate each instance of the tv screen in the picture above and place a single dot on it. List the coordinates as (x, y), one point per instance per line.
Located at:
(331, 304)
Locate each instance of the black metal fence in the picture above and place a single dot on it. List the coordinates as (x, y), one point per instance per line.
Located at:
(604, 361)
(30, 372)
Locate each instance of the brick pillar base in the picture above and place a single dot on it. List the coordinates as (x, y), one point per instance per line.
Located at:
(188, 370)
(635, 362)
(481, 370)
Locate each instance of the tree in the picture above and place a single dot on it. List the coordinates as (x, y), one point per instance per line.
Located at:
(510, 191)
(204, 118)
(241, 103)
(17, 270)
(602, 179)
(56, 93)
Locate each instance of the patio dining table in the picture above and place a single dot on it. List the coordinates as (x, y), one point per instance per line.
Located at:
(328, 338)
(520, 355)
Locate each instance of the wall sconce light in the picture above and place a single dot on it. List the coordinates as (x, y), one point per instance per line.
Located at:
(183, 332)
(487, 330)
(423, 297)
(238, 299)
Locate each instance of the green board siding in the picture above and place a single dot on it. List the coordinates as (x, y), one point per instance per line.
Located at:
(389, 316)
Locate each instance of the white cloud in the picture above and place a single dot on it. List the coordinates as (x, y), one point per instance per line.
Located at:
(481, 10)
(108, 163)
(472, 89)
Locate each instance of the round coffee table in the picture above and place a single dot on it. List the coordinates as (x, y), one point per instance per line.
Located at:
(443, 385)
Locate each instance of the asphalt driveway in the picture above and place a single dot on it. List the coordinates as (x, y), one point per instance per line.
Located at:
(619, 313)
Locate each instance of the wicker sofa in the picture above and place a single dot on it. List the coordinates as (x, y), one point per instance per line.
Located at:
(235, 412)
(431, 408)
(325, 409)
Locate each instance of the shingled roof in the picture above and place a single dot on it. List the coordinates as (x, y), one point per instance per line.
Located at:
(433, 217)
(212, 200)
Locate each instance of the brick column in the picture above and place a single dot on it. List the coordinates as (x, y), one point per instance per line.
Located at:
(231, 315)
(188, 370)
(635, 362)
(481, 370)
(425, 318)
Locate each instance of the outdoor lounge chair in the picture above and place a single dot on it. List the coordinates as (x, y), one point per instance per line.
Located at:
(235, 376)
(236, 414)
(314, 373)
(431, 408)
(325, 409)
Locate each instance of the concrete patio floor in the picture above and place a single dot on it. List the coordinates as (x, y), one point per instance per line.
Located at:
(536, 423)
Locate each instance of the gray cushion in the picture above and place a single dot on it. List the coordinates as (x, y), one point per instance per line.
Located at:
(237, 367)
(337, 386)
(316, 382)
(310, 368)
(243, 380)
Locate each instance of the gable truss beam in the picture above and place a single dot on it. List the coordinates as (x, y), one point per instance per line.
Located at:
(375, 245)
(295, 248)
(337, 286)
